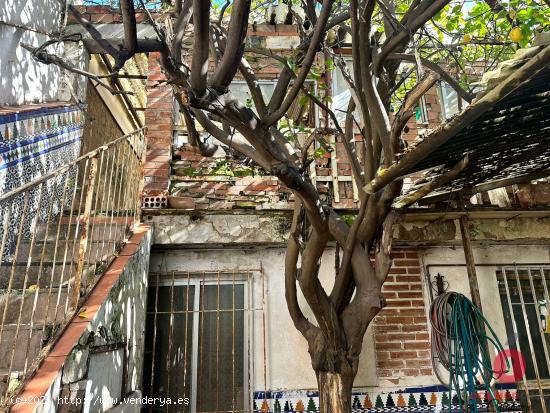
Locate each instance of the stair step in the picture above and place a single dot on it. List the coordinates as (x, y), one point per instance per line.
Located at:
(34, 345)
(103, 228)
(96, 249)
(45, 273)
(17, 298)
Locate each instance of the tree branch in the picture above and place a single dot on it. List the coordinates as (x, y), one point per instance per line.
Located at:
(199, 63)
(449, 129)
(406, 110)
(435, 68)
(316, 38)
(302, 324)
(233, 141)
(130, 29)
(107, 47)
(44, 57)
(440, 180)
(179, 31)
(405, 33)
(234, 47)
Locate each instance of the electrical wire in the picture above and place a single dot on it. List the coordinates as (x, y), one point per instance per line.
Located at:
(460, 342)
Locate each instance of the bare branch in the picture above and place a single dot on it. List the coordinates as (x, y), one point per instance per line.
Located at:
(301, 323)
(235, 141)
(179, 31)
(439, 70)
(406, 110)
(234, 47)
(205, 149)
(403, 36)
(316, 38)
(107, 47)
(382, 255)
(199, 63)
(433, 184)
(252, 82)
(129, 23)
(142, 46)
(44, 57)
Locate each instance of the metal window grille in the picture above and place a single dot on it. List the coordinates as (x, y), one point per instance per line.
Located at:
(199, 340)
(525, 300)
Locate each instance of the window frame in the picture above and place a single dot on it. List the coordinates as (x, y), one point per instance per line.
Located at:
(197, 280)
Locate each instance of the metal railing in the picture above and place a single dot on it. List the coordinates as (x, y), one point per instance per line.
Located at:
(58, 234)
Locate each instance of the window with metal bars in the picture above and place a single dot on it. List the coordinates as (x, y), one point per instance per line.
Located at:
(524, 298)
(195, 342)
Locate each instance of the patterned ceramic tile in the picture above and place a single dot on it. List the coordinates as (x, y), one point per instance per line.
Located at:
(427, 399)
(32, 144)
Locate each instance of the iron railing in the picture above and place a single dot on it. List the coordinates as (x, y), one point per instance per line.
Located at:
(58, 234)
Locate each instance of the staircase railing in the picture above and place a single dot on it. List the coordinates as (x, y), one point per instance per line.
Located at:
(58, 234)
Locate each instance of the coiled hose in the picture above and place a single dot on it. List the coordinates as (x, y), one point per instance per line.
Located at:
(460, 344)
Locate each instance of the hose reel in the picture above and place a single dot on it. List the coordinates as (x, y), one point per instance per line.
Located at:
(460, 342)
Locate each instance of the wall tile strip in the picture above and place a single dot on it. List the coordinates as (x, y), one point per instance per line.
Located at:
(428, 399)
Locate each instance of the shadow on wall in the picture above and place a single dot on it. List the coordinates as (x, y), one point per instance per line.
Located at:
(106, 365)
(22, 79)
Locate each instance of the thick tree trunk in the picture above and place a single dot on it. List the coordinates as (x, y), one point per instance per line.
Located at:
(334, 392)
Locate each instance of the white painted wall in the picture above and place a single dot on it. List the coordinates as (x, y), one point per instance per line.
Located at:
(22, 79)
(287, 364)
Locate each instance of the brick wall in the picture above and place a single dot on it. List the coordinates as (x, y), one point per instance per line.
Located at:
(159, 123)
(100, 127)
(401, 328)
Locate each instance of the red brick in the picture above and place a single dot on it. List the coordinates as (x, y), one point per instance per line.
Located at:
(400, 320)
(415, 327)
(407, 278)
(405, 263)
(417, 362)
(412, 312)
(389, 364)
(403, 355)
(411, 372)
(419, 345)
(398, 303)
(395, 287)
(389, 346)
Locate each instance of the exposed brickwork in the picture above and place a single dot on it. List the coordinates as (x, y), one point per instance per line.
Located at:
(100, 127)
(401, 329)
(159, 122)
(218, 183)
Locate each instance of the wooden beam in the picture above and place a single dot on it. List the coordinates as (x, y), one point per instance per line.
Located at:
(143, 45)
(470, 263)
(440, 180)
(487, 186)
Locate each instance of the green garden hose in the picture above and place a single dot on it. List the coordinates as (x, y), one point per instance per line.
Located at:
(461, 345)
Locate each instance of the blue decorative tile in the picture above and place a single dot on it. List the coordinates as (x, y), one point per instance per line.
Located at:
(31, 146)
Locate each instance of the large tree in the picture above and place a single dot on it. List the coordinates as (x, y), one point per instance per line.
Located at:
(400, 49)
